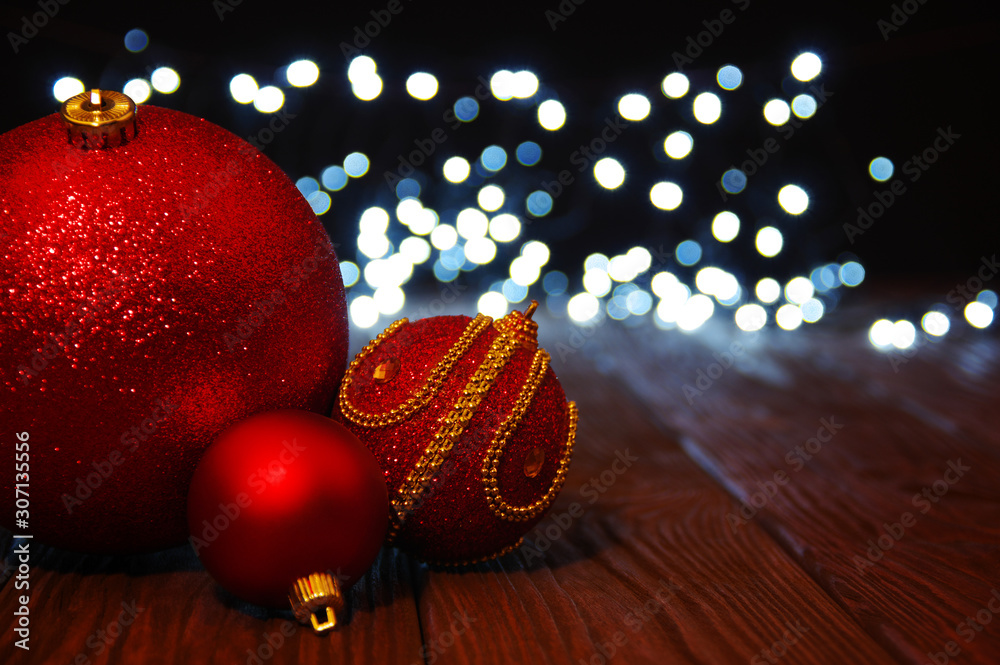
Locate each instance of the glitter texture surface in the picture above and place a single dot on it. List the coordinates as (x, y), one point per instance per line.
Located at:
(152, 295)
(452, 521)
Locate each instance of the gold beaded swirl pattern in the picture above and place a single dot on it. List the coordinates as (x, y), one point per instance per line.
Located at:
(425, 394)
(491, 462)
(454, 424)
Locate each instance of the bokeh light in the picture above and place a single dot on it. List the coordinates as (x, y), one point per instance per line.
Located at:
(493, 158)
(851, 273)
(490, 198)
(806, 66)
(67, 87)
(978, 314)
(666, 195)
(138, 89)
(528, 153)
(777, 112)
(356, 164)
(302, 73)
(136, 40)
(768, 290)
(539, 203)
(935, 323)
(804, 106)
(688, 253)
(268, 99)
(707, 108)
(769, 241)
(551, 115)
(243, 88)
(422, 86)
(165, 80)
(729, 77)
(734, 181)
(609, 172)
(725, 226)
(751, 317)
(634, 107)
(456, 169)
(881, 169)
(793, 199)
(678, 145)
(675, 85)
(788, 317)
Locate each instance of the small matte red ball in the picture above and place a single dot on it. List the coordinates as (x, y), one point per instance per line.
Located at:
(281, 495)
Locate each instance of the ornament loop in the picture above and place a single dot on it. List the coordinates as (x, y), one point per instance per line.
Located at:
(315, 593)
(99, 119)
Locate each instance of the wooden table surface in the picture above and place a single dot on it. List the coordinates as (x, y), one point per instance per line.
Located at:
(812, 502)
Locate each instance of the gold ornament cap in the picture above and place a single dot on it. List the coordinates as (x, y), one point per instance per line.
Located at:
(99, 119)
(317, 593)
(521, 326)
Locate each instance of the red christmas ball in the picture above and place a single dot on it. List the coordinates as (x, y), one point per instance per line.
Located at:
(155, 291)
(470, 426)
(283, 495)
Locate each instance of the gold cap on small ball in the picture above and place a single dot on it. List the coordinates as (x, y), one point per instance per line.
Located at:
(99, 119)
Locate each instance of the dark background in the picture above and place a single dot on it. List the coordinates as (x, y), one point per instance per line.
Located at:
(888, 97)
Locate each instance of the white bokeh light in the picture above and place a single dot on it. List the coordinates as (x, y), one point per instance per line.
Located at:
(268, 99)
(610, 174)
(678, 145)
(768, 290)
(138, 89)
(456, 169)
(165, 80)
(777, 112)
(67, 87)
(302, 73)
(675, 85)
(243, 88)
(751, 317)
(551, 115)
(490, 198)
(492, 304)
(725, 226)
(769, 241)
(634, 107)
(806, 66)
(707, 108)
(793, 199)
(666, 195)
(422, 86)
(978, 314)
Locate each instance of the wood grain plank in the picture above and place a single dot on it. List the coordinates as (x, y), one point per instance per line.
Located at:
(164, 608)
(745, 425)
(650, 572)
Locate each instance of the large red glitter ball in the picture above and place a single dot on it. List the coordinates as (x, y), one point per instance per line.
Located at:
(154, 293)
(282, 495)
(471, 428)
